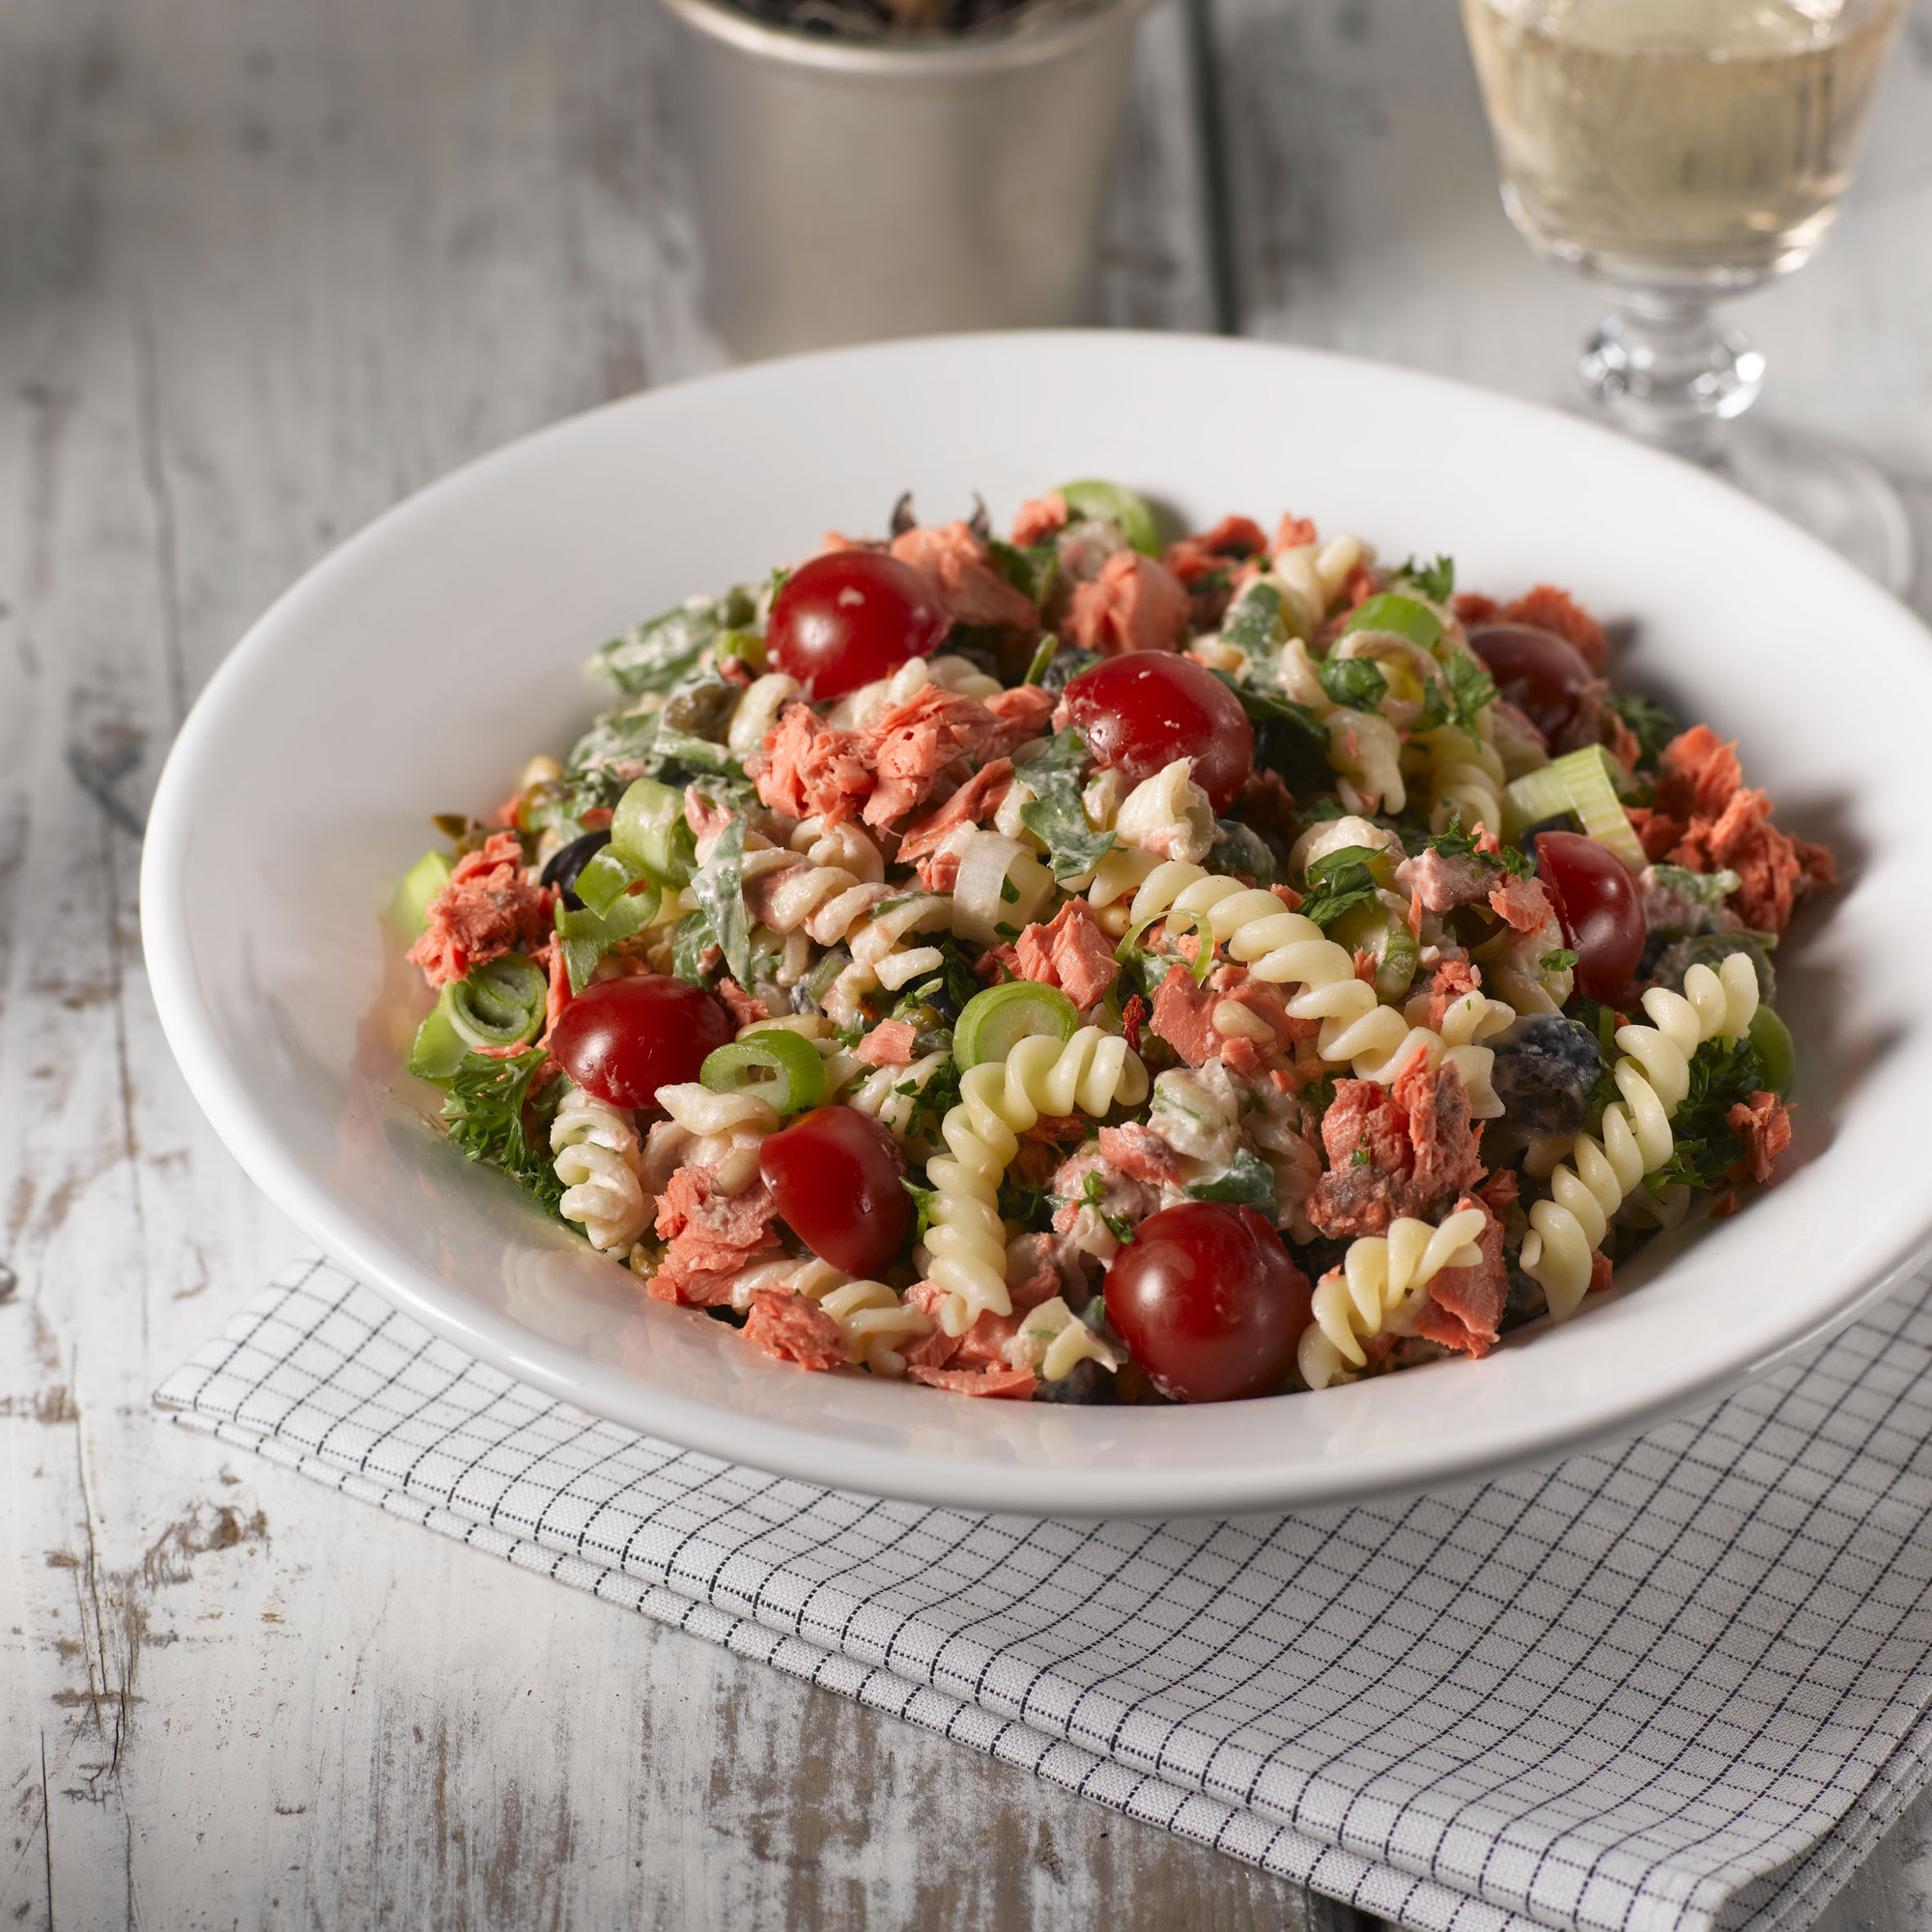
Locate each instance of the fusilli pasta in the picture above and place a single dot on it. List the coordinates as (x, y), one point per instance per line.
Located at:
(1558, 1252)
(999, 1101)
(1379, 1285)
(597, 1160)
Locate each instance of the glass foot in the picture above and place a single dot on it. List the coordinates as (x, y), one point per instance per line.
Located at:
(1822, 488)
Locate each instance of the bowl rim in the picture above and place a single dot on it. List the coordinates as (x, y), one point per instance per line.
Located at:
(732, 1434)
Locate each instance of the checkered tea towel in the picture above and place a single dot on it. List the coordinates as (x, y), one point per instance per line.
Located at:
(1679, 1683)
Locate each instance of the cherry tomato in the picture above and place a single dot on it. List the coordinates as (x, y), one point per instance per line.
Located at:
(1535, 670)
(1600, 907)
(836, 1173)
(850, 617)
(1142, 711)
(622, 1039)
(1208, 1302)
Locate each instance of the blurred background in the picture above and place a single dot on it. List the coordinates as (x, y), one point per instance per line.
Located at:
(270, 265)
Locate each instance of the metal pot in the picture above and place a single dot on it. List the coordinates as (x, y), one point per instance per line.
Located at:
(847, 191)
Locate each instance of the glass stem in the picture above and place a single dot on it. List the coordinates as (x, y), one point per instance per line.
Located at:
(1664, 371)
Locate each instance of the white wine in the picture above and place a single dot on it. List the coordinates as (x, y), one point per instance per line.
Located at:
(1677, 143)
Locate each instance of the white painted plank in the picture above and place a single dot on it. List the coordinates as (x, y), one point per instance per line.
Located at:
(267, 269)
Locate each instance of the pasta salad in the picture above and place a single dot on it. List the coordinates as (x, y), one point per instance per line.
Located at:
(1076, 967)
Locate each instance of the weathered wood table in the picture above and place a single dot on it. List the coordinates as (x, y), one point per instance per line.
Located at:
(264, 268)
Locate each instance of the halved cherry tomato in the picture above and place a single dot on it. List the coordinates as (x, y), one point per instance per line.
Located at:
(622, 1039)
(1142, 711)
(1599, 907)
(1208, 1302)
(836, 1173)
(850, 617)
(1536, 671)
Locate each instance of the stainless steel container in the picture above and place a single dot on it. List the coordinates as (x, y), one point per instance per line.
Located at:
(847, 191)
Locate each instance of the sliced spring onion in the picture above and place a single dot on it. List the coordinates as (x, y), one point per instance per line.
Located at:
(777, 1067)
(1404, 616)
(586, 935)
(409, 910)
(648, 828)
(1049, 646)
(994, 1022)
(606, 874)
(1093, 497)
(1000, 884)
(499, 1004)
(1579, 783)
(1774, 1051)
(438, 1049)
(746, 647)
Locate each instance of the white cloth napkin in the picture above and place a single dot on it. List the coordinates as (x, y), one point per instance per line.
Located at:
(1679, 1683)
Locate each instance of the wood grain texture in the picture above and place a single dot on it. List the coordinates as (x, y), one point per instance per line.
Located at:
(265, 267)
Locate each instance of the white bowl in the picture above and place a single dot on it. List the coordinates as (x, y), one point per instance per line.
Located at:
(417, 668)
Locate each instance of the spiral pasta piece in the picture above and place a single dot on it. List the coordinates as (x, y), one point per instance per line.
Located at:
(1379, 1285)
(966, 1240)
(837, 896)
(1282, 948)
(598, 1160)
(1364, 747)
(1466, 778)
(870, 1316)
(1654, 1076)
(1053, 1341)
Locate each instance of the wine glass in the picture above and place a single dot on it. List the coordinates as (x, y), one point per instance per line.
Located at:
(1680, 151)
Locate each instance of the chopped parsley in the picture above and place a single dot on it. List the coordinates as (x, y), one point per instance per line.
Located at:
(1560, 960)
(486, 1109)
(1651, 724)
(1356, 683)
(1118, 1225)
(1456, 843)
(1339, 881)
(1434, 580)
(1723, 1073)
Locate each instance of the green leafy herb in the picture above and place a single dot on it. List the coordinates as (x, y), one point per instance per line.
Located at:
(718, 887)
(1356, 683)
(1024, 1202)
(1254, 622)
(922, 1199)
(932, 1103)
(1456, 843)
(690, 939)
(494, 1115)
(586, 935)
(1289, 739)
(1651, 724)
(1723, 1072)
(1470, 688)
(1054, 814)
(1363, 1156)
(1248, 1184)
(1434, 580)
(1559, 960)
(1240, 848)
(1031, 568)
(1091, 1194)
(1338, 881)
(656, 655)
